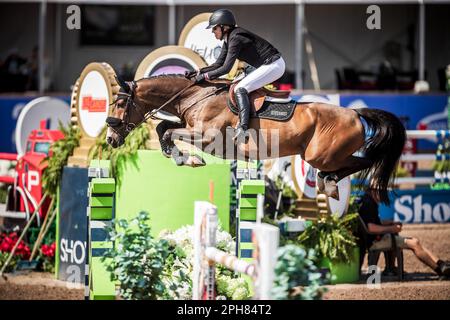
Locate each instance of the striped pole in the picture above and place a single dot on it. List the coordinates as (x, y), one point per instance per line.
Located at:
(230, 261)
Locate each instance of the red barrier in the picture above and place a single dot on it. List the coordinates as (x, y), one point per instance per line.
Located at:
(6, 179)
(8, 156)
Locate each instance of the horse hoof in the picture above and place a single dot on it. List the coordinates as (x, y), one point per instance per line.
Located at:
(332, 191)
(167, 154)
(180, 160)
(195, 161)
(320, 184)
(331, 188)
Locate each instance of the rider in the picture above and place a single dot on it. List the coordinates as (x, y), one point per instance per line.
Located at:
(248, 47)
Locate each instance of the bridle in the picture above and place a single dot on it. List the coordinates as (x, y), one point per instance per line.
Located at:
(122, 127)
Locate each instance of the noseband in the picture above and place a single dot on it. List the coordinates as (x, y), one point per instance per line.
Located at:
(123, 127)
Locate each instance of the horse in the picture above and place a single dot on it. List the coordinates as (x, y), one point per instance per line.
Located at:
(335, 140)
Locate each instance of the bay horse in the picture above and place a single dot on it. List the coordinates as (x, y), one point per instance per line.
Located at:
(324, 135)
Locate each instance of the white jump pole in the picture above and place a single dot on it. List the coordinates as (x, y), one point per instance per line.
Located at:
(423, 134)
(415, 180)
(206, 255)
(424, 157)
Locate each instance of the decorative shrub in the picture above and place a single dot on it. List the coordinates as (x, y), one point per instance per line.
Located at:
(296, 275)
(47, 256)
(12, 264)
(62, 150)
(137, 260)
(7, 243)
(138, 139)
(332, 237)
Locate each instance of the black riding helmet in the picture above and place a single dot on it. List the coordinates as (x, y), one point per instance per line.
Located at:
(221, 17)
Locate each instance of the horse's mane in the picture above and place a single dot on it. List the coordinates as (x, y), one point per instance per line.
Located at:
(179, 76)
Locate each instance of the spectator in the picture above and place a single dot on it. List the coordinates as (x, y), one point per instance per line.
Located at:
(13, 78)
(32, 70)
(380, 238)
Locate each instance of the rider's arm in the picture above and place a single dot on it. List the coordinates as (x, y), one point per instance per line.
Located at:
(234, 48)
(219, 62)
(379, 229)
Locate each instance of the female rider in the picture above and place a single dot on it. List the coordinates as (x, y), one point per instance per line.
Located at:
(248, 47)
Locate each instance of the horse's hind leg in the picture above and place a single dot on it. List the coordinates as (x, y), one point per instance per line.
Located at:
(352, 165)
(327, 181)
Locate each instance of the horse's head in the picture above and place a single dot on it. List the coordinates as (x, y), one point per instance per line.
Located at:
(127, 114)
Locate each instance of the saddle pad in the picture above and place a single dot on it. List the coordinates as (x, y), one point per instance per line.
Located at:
(269, 110)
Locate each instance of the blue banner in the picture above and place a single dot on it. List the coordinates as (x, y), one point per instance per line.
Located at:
(10, 108)
(418, 206)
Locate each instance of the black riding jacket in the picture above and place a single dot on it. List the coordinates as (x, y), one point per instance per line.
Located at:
(243, 45)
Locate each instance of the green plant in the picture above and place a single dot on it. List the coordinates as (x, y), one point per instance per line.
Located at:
(3, 193)
(138, 139)
(353, 205)
(12, 264)
(288, 195)
(296, 275)
(331, 236)
(62, 149)
(137, 260)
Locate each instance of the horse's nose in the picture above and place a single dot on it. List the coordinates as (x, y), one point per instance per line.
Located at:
(109, 140)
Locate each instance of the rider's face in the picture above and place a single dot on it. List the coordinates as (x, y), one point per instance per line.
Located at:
(217, 32)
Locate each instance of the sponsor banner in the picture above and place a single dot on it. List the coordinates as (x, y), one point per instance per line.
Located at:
(418, 206)
(71, 253)
(10, 108)
(94, 102)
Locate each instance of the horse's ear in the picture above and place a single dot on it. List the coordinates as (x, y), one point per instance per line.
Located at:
(123, 84)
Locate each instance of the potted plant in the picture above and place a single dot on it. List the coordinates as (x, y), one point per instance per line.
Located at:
(332, 238)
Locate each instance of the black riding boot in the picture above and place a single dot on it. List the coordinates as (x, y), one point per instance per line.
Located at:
(243, 104)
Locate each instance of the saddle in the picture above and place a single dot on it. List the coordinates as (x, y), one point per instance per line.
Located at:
(265, 103)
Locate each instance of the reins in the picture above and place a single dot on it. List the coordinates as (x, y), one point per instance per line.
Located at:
(151, 114)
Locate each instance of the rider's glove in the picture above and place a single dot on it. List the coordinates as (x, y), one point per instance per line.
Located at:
(200, 78)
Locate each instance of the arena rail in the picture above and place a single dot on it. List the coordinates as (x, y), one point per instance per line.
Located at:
(424, 134)
(435, 135)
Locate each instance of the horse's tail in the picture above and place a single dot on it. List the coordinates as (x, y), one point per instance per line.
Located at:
(384, 148)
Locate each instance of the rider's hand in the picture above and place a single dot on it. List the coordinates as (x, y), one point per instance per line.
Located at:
(199, 78)
(396, 228)
(190, 74)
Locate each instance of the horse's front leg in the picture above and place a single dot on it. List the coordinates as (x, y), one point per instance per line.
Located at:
(185, 135)
(165, 141)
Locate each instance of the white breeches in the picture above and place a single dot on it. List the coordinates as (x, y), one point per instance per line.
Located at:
(265, 74)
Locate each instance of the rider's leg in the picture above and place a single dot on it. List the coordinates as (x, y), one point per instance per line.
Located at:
(243, 104)
(260, 77)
